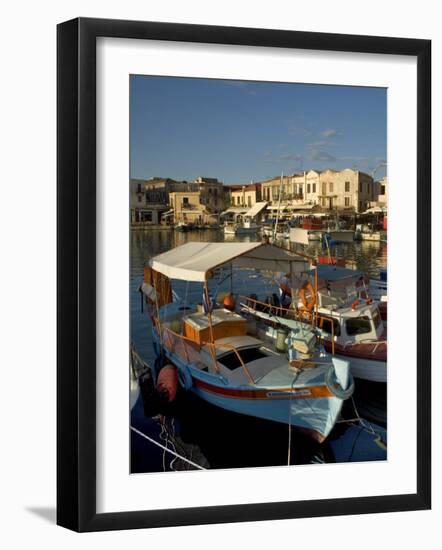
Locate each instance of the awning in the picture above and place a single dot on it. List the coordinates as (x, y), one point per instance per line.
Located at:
(376, 210)
(194, 261)
(301, 206)
(282, 207)
(234, 210)
(256, 209)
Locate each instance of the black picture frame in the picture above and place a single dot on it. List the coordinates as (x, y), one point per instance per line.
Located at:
(76, 273)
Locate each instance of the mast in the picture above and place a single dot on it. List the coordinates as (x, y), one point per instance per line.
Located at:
(279, 206)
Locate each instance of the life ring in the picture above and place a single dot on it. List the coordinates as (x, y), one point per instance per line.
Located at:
(308, 304)
(336, 389)
(185, 378)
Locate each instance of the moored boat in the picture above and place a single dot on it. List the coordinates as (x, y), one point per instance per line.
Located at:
(224, 359)
(351, 327)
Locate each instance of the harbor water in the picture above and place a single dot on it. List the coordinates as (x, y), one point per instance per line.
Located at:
(215, 438)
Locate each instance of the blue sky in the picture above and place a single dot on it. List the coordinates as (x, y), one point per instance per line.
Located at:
(239, 131)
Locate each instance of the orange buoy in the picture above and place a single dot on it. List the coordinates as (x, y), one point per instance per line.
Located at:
(355, 304)
(229, 302)
(310, 303)
(167, 382)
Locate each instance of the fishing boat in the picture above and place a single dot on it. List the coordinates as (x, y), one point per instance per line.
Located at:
(366, 232)
(182, 226)
(223, 356)
(351, 327)
(245, 227)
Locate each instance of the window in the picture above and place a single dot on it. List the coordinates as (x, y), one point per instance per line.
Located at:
(249, 201)
(360, 187)
(358, 325)
(330, 187)
(139, 188)
(185, 201)
(382, 189)
(347, 187)
(326, 324)
(314, 188)
(238, 200)
(324, 188)
(308, 188)
(347, 201)
(140, 198)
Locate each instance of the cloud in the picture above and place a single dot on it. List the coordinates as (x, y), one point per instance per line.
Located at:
(319, 144)
(292, 156)
(322, 156)
(329, 133)
(299, 130)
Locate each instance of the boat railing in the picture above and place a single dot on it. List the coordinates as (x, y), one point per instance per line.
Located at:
(376, 343)
(301, 315)
(189, 346)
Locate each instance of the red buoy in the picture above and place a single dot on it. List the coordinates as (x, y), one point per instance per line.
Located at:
(167, 382)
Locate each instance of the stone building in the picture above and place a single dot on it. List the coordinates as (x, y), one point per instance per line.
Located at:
(344, 189)
(383, 191)
(291, 189)
(149, 199)
(145, 206)
(212, 193)
(244, 195)
(187, 206)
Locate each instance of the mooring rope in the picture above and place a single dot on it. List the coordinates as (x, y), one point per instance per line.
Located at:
(166, 449)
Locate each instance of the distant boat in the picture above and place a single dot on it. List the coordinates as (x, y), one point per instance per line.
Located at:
(182, 226)
(247, 227)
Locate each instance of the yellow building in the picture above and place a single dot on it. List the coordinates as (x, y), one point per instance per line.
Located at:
(244, 195)
(187, 207)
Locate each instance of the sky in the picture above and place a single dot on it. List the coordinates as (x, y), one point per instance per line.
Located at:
(239, 131)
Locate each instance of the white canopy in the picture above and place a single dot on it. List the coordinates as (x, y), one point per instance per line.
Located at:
(256, 209)
(194, 260)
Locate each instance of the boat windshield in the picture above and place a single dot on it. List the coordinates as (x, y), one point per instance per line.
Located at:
(358, 325)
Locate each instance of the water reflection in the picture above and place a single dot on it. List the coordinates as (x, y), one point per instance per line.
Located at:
(218, 437)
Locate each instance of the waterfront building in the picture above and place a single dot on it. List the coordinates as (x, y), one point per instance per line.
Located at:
(212, 193)
(244, 195)
(145, 206)
(345, 189)
(383, 191)
(187, 206)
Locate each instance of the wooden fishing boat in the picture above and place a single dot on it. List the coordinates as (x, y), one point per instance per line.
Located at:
(351, 327)
(225, 359)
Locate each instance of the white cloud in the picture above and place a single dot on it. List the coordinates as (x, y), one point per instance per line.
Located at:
(329, 133)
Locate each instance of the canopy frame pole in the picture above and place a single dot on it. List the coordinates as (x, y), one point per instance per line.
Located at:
(316, 296)
(157, 307)
(209, 318)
